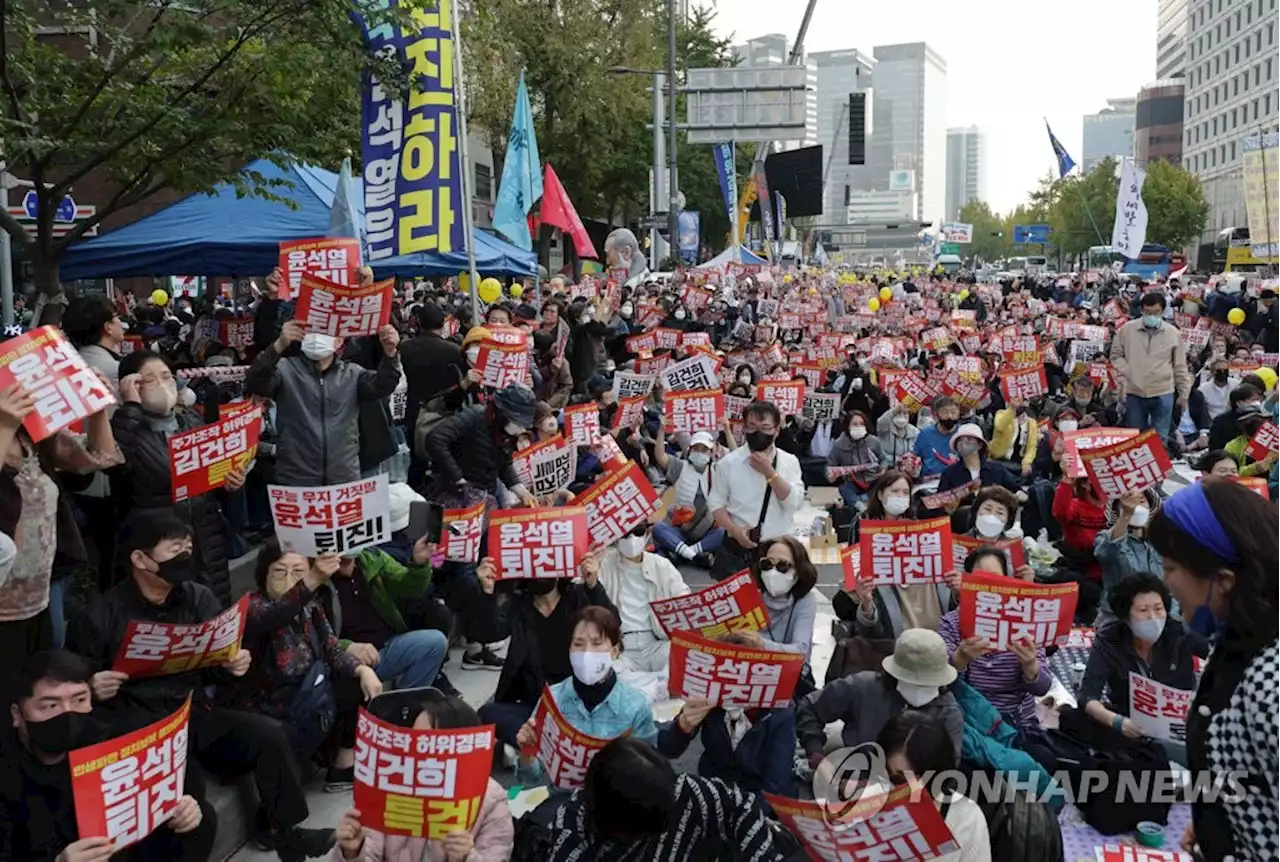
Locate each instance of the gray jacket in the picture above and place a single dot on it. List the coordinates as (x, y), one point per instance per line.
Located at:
(317, 414)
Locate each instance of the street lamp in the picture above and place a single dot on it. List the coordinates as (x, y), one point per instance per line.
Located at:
(655, 192)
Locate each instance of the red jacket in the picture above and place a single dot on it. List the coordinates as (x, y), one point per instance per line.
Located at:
(1081, 521)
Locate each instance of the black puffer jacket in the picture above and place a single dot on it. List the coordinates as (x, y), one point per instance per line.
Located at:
(462, 447)
(142, 482)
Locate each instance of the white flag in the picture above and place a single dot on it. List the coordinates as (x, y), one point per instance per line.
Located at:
(1130, 230)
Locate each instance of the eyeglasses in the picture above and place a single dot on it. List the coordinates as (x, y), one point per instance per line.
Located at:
(782, 566)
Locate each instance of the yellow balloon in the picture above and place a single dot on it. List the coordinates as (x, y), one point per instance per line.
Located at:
(464, 282)
(159, 297)
(517, 291)
(786, 279)
(1268, 376)
(490, 289)
(1235, 316)
(886, 293)
(964, 294)
(873, 304)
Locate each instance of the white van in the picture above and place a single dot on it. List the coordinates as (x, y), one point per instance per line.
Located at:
(950, 263)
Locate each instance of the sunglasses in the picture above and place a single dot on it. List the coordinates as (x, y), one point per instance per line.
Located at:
(767, 565)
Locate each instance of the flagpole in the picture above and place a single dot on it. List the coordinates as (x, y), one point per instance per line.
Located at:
(464, 180)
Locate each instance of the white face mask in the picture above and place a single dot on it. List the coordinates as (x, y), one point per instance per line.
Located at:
(857, 432)
(1148, 630)
(901, 420)
(473, 356)
(317, 346)
(699, 460)
(590, 667)
(776, 583)
(744, 378)
(989, 526)
(857, 384)
(513, 429)
(896, 504)
(1068, 425)
(680, 314)
(631, 546)
(1139, 517)
(917, 695)
(625, 311)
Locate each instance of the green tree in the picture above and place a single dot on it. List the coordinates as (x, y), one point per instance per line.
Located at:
(990, 239)
(170, 95)
(1176, 209)
(1083, 208)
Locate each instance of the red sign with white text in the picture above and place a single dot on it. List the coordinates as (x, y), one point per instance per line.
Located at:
(1014, 553)
(564, 751)
(999, 609)
(346, 312)
(538, 543)
(160, 649)
(905, 552)
(1137, 853)
(732, 605)
(504, 364)
(1256, 484)
(64, 389)
(582, 423)
(1131, 465)
(732, 676)
(461, 532)
(900, 825)
(1023, 383)
(619, 502)
(201, 459)
(1073, 442)
(630, 412)
(333, 259)
(691, 412)
(788, 397)
(1265, 442)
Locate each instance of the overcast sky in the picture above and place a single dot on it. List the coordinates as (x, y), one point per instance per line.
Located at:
(1009, 64)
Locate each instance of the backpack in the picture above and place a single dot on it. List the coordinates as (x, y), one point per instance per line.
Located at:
(1023, 829)
(314, 706)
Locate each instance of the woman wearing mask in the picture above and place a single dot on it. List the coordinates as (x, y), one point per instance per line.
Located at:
(540, 623)
(593, 700)
(745, 375)
(995, 512)
(147, 417)
(1124, 551)
(1081, 515)
(1015, 438)
(886, 611)
(786, 579)
(897, 436)
(555, 377)
(625, 323)
(974, 465)
(491, 839)
(1142, 638)
(1219, 546)
(856, 449)
(471, 388)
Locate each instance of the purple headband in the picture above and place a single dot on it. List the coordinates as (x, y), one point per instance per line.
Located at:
(1189, 509)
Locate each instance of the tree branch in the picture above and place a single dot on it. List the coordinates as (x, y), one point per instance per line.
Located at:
(15, 102)
(15, 229)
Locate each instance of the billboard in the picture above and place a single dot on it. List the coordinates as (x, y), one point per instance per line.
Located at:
(902, 181)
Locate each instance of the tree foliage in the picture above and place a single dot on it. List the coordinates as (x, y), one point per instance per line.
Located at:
(1176, 209)
(990, 240)
(171, 95)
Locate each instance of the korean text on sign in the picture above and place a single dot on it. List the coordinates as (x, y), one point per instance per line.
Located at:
(332, 519)
(1135, 464)
(334, 259)
(889, 827)
(335, 309)
(1159, 710)
(906, 552)
(202, 458)
(694, 411)
(563, 750)
(159, 649)
(1131, 853)
(1023, 383)
(729, 675)
(787, 397)
(51, 371)
(1074, 442)
(1015, 555)
(128, 786)
(503, 364)
(547, 466)
(999, 609)
(582, 424)
(1265, 442)
(421, 783)
(618, 503)
(538, 543)
(461, 533)
(628, 385)
(695, 373)
(734, 604)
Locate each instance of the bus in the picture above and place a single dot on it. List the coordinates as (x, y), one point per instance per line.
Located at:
(1153, 261)
(1232, 252)
(1030, 266)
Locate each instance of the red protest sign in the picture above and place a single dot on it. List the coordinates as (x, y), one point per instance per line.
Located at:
(1257, 484)
(851, 563)
(642, 342)
(999, 609)
(1088, 438)
(128, 786)
(503, 363)
(947, 499)
(421, 783)
(732, 676)
(652, 365)
(564, 751)
(905, 552)
(1265, 442)
(935, 339)
(1136, 853)
(618, 503)
(201, 459)
(1020, 349)
(666, 338)
(334, 259)
(460, 533)
(1014, 553)
(690, 412)
(787, 396)
(914, 392)
(582, 424)
(538, 543)
(1135, 464)
(64, 389)
(160, 649)
(734, 604)
(901, 824)
(336, 309)
(1023, 383)
(630, 412)
(1159, 710)
(546, 466)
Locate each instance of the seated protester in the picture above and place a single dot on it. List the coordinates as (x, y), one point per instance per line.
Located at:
(897, 436)
(1218, 462)
(633, 806)
(1081, 514)
(689, 530)
(1124, 550)
(1224, 429)
(786, 579)
(933, 443)
(491, 839)
(856, 448)
(161, 588)
(973, 464)
(886, 611)
(914, 677)
(1048, 463)
(540, 622)
(1249, 420)
(1143, 639)
(1011, 680)
(1015, 438)
(632, 578)
(52, 715)
(1084, 400)
(594, 701)
(995, 515)
(147, 417)
(917, 747)
(289, 633)
(753, 748)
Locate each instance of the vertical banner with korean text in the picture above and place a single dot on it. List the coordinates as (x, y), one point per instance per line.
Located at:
(731, 676)
(734, 604)
(201, 459)
(999, 609)
(64, 389)
(160, 649)
(538, 543)
(332, 519)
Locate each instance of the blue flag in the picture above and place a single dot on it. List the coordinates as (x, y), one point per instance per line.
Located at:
(521, 182)
(1065, 162)
(724, 155)
(344, 216)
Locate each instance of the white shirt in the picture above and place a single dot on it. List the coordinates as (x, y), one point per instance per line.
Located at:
(1216, 398)
(633, 605)
(740, 488)
(690, 482)
(820, 447)
(969, 828)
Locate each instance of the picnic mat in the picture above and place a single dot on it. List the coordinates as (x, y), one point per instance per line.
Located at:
(1079, 839)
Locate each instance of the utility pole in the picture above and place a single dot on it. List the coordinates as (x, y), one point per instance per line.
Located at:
(673, 218)
(658, 159)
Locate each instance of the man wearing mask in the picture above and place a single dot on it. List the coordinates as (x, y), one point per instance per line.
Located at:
(161, 588)
(51, 716)
(432, 363)
(689, 531)
(933, 443)
(1083, 394)
(755, 491)
(317, 399)
(1217, 389)
(1150, 361)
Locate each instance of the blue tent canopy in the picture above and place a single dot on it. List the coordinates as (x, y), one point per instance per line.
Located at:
(224, 235)
(732, 254)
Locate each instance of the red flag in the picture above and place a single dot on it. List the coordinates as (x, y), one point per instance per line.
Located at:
(557, 211)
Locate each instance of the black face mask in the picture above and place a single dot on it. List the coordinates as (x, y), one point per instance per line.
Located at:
(542, 586)
(759, 441)
(1220, 377)
(60, 734)
(946, 424)
(177, 570)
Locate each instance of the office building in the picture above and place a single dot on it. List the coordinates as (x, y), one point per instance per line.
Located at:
(841, 73)
(966, 169)
(881, 207)
(910, 114)
(1157, 127)
(1108, 132)
(774, 50)
(1171, 38)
